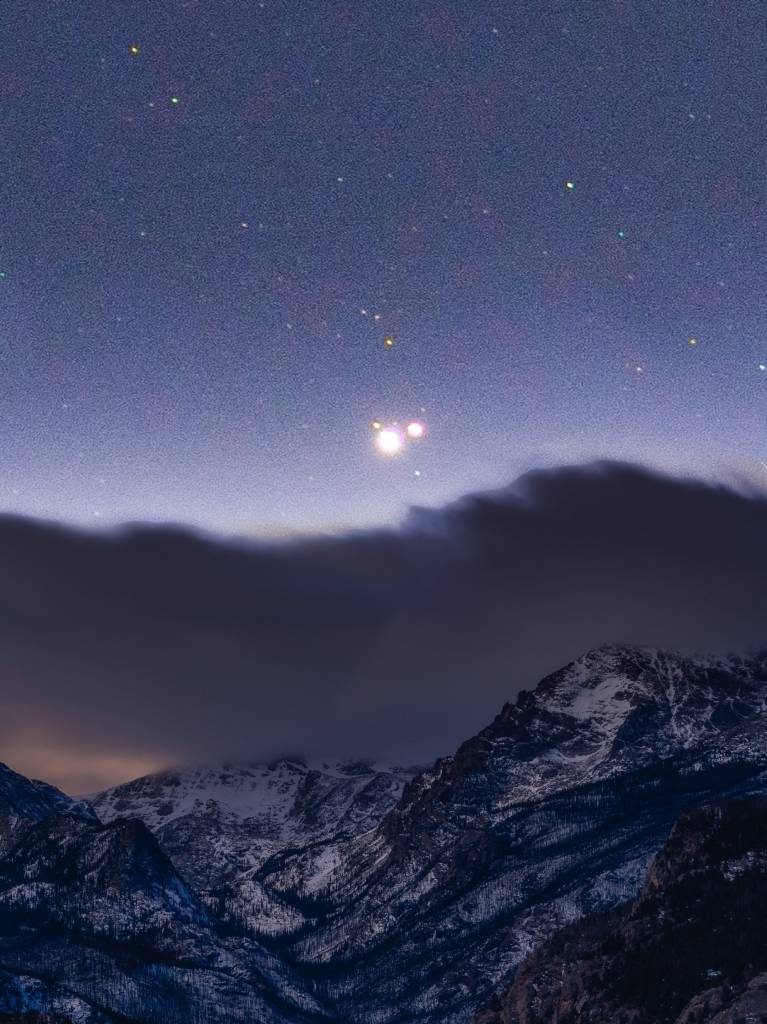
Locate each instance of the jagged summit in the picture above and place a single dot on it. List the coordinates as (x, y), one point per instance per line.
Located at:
(617, 677)
(616, 707)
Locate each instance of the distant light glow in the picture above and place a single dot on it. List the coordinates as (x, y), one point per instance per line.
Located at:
(415, 429)
(389, 441)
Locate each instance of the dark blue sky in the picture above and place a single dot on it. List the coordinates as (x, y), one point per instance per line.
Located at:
(183, 281)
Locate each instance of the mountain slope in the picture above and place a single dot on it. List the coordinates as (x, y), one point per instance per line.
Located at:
(23, 801)
(553, 811)
(692, 948)
(217, 823)
(96, 924)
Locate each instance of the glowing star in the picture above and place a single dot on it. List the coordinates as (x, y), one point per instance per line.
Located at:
(390, 341)
(621, 234)
(569, 185)
(135, 50)
(415, 430)
(692, 342)
(389, 441)
(174, 100)
(763, 366)
(376, 424)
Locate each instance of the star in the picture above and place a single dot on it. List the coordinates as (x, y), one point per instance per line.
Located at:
(569, 185)
(135, 50)
(415, 429)
(174, 100)
(692, 341)
(390, 341)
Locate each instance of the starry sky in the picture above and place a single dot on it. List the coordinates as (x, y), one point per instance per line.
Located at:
(215, 215)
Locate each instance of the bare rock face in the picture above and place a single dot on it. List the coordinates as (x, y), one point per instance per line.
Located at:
(690, 949)
(749, 1007)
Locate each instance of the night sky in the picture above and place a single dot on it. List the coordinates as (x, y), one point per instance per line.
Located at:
(215, 215)
(341, 304)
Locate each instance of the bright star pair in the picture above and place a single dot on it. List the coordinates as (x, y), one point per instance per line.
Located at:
(391, 440)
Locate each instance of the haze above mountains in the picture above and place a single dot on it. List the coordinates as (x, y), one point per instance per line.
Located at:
(126, 651)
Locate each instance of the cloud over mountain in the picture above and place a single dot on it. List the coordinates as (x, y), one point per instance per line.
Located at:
(123, 651)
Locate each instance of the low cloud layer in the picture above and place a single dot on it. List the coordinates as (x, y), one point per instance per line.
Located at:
(124, 652)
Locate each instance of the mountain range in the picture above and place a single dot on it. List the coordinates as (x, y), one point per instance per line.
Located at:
(365, 893)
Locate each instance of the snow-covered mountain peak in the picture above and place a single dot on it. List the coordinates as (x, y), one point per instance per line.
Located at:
(272, 793)
(607, 686)
(615, 707)
(232, 817)
(611, 711)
